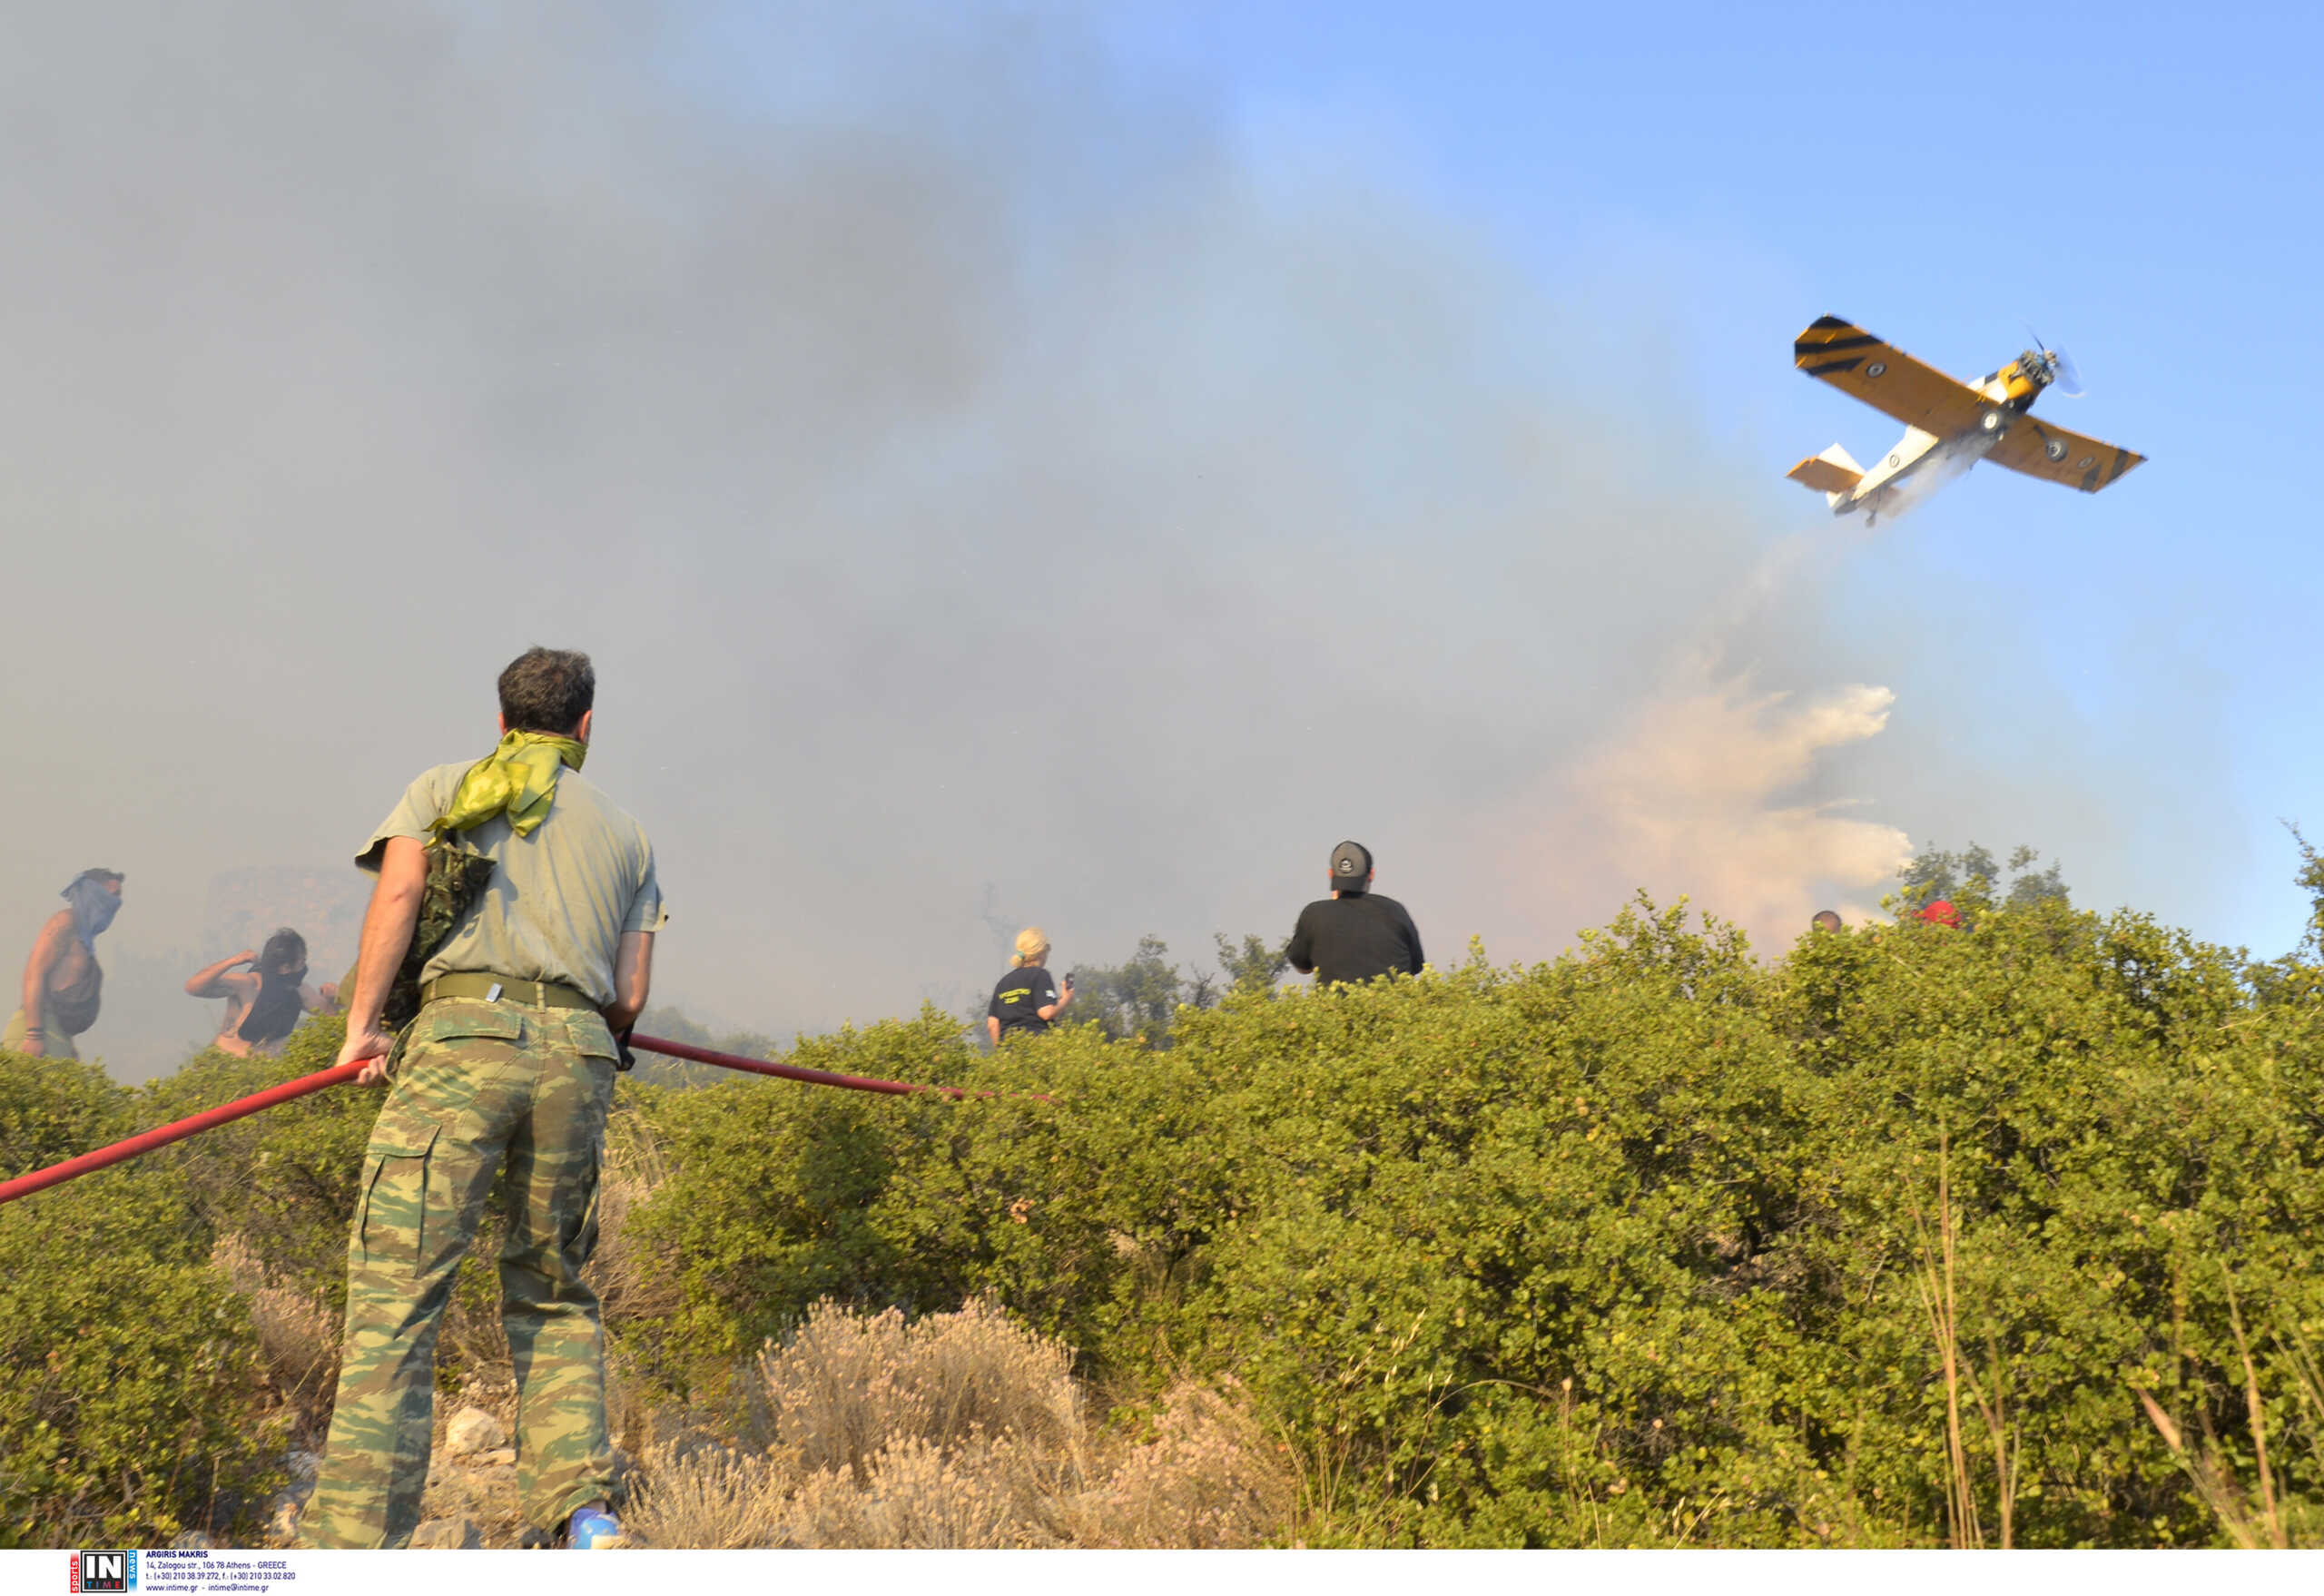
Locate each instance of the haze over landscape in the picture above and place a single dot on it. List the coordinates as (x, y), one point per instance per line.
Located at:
(1007, 467)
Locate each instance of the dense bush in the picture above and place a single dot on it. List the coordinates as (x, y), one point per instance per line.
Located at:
(284, 1181)
(1913, 1236)
(130, 1394)
(51, 1109)
(1653, 1244)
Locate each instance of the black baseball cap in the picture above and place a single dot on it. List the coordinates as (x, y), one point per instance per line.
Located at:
(1351, 867)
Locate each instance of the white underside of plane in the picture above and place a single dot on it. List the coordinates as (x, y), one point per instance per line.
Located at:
(1919, 464)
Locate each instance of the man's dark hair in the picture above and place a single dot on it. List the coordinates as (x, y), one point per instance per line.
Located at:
(547, 690)
(285, 952)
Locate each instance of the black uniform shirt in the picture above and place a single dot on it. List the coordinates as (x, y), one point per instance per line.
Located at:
(1020, 997)
(1355, 939)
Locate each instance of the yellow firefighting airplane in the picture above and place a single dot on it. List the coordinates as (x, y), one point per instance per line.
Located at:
(1949, 425)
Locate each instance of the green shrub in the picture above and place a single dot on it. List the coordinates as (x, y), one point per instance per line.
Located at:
(1913, 1236)
(283, 1182)
(51, 1109)
(1653, 1244)
(769, 1206)
(130, 1396)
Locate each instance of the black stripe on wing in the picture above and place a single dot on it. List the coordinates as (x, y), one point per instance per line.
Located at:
(1828, 334)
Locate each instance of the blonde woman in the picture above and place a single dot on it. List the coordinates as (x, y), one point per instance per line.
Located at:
(1026, 999)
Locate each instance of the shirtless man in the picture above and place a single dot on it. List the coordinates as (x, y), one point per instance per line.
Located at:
(265, 1002)
(61, 981)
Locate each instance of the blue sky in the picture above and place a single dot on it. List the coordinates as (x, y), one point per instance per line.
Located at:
(2138, 182)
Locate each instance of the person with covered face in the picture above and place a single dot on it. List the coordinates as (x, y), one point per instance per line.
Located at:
(265, 1002)
(63, 981)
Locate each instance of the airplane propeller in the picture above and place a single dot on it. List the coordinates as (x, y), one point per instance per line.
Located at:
(2065, 375)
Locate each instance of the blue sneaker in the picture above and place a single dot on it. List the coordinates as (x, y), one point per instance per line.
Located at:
(591, 1529)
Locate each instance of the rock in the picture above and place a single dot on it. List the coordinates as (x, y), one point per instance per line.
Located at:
(194, 1540)
(302, 1467)
(473, 1430)
(447, 1535)
(283, 1515)
(282, 1508)
(499, 1457)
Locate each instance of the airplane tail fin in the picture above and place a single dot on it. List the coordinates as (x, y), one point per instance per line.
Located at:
(1832, 474)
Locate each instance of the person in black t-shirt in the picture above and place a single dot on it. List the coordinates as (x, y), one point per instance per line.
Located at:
(1355, 934)
(1027, 999)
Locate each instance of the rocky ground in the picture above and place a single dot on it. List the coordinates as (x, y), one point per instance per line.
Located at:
(471, 1498)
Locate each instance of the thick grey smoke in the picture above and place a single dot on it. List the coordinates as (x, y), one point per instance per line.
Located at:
(965, 467)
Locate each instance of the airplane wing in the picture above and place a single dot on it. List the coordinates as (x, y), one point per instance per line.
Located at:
(1886, 378)
(2055, 455)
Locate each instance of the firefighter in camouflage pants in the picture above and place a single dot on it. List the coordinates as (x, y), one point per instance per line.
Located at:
(507, 1073)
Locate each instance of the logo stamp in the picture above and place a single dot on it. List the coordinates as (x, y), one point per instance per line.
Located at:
(113, 1572)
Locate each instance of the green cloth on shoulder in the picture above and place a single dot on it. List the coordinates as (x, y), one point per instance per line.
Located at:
(517, 779)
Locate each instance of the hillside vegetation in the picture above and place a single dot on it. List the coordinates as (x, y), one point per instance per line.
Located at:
(1910, 1236)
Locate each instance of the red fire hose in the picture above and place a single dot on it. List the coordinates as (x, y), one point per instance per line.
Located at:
(859, 1083)
(57, 1174)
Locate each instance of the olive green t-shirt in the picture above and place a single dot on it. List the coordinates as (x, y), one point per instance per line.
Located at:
(559, 900)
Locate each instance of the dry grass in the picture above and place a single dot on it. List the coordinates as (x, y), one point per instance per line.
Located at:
(958, 1430)
(297, 1335)
(848, 1387)
(2252, 1517)
(616, 1271)
(472, 1339)
(703, 1495)
(1207, 1475)
(1988, 1396)
(985, 1493)
(961, 1430)
(633, 1167)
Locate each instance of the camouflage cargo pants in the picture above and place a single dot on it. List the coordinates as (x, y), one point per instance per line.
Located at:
(480, 1085)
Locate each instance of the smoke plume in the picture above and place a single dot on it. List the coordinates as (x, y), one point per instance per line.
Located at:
(969, 466)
